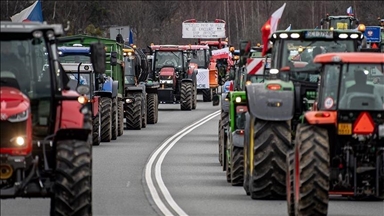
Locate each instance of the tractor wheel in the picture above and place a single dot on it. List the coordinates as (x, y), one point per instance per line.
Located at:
(151, 108)
(96, 132)
(227, 168)
(312, 170)
(224, 150)
(186, 96)
(134, 118)
(246, 156)
(144, 112)
(157, 108)
(207, 95)
(194, 103)
(106, 121)
(289, 183)
(114, 119)
(220, 142)
(73, 177)
(121, 118)
(272, 141)
(237, 166)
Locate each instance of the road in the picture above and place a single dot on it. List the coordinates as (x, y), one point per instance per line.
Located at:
(190, 171)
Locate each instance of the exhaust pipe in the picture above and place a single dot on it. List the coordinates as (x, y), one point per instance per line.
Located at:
(6, 171)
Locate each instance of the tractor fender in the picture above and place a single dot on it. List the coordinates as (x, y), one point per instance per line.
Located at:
(70, 116)
(269, 105)
(72, 133)
(187, 80)
(134, 89)
(224, 103)
(317, 117)
(103, 94)
(151, 88)
(115, 87)
(237, 140)
(107, 85)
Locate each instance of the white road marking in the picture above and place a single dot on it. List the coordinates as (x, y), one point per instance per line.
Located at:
(168, 144)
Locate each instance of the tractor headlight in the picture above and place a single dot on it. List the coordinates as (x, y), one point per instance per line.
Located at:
(19, 140)
(19, 117)
(82, 99)
(238, 99)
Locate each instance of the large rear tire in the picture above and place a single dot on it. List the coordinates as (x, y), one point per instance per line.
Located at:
(106, 121)
(207, 95)
(73, 188)
(194, 103)
(247, 135)
(186, 96)
(151, 108)
(237, 166)
(220, 143)
(289, 183)
(121, 118)
(134, 118)
(312, 170)
(272, 141)
(157, 109)
(114, 119)
(144, 112)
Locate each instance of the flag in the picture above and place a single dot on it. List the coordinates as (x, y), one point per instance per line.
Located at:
(130, 40)
(31, 13)
(289, 27)
(270, 26)
(349, 11)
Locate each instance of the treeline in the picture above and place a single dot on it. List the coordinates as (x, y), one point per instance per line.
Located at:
(160, 21)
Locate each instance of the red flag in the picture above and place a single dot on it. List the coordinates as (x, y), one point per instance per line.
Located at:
(270, 26)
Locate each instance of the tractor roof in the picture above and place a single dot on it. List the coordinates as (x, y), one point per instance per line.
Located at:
(169, 47)
(196, 47)
(65, 50)
(341, 17)
(318, 30)
(128, 49)
(213, 43)
(351, 57)
(29, 27)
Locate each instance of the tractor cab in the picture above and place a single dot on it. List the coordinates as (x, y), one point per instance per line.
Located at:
(339, 22)
(129, 66)
(351, 82)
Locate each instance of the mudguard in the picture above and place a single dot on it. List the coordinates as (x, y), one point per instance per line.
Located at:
(187, 80)
(107, 85)
(269, 105)
(151, 87)
(115, 88)
(224, 103)
(71, 117)
(237, 140)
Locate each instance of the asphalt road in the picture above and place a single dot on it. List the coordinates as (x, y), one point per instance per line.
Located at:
(190, 171)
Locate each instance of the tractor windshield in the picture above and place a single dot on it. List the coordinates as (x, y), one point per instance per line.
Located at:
(25, 65)
(199, 58)
(340, 23)
(240, 116)
(169, 58)
(85, 78)
(361, 87)
(255, 54)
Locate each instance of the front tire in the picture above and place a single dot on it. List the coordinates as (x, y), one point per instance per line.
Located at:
(114, 119)
(237, 166)
(96, 132)
(106, 121)
(151, 108)
(207, 95)
(289, 183)
(134, 118)
(120, 110)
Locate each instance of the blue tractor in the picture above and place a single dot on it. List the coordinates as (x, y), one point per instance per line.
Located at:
(103, 89)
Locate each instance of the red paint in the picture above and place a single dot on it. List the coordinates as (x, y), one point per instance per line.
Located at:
(364, 124)
(191, 67)
(256, 68)
(71, 117)
(167, 71)
(95, 107)
(13, 102)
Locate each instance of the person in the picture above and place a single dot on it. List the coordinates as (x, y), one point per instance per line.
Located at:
(360, 85)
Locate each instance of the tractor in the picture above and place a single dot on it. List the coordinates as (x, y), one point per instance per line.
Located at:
(207, 76)
(339, 145)
(46, 140)
(112, 98)
(143, 108)
(343, 22)
(178, 83)
(77, 64)
(276, 106)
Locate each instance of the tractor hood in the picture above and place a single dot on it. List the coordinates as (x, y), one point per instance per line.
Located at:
(12, 102)
(167, 71)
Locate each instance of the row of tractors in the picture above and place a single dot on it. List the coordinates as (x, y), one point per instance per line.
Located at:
(306, 120)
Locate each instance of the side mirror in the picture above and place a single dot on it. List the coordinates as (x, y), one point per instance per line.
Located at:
(113, 58)
(83, 89)
(188, 59)
(215, 100)
(196, 71)
(98, 58)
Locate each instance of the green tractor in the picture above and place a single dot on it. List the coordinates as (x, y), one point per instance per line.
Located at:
(114, 69)
(277, 105)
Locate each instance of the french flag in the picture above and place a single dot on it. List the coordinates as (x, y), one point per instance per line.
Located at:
(270, 26)
(349, 11)
(31, 13)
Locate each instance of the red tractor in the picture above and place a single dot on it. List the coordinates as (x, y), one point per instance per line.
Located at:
(172, 69)
(46, 139)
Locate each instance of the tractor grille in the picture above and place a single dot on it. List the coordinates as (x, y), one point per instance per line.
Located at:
(10, 130)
